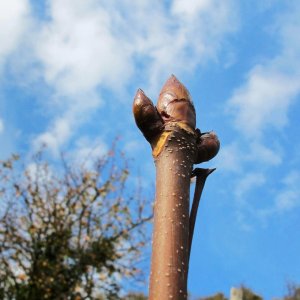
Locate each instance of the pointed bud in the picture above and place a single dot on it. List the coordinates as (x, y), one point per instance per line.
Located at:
(146, 116)
(208, 147)
(175, 104)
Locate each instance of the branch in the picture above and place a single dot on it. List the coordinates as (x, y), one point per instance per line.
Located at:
(201, 175)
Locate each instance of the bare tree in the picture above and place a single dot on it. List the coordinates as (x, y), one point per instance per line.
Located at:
(293, 292)
(68, 233)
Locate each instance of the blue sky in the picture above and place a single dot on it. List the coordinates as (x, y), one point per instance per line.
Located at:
(69, 70)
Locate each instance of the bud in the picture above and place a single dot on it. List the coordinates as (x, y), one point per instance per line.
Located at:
(146, 116)
(208, 147)
(175, 104)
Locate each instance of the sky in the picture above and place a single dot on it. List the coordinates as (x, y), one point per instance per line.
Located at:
(69, 70)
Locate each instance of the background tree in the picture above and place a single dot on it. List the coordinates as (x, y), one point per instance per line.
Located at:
(248, 294)
(241, 293)
(218, 296)
(293, 292)
(68, 234)
(135, 296)
(245, 293)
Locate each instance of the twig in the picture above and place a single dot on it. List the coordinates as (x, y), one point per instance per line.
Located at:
(201, 175)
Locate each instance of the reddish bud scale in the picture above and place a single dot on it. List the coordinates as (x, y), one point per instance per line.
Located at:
(146, 116)
(175, 104)
(208, 147)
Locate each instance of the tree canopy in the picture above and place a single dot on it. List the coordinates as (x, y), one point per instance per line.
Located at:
(68, 231)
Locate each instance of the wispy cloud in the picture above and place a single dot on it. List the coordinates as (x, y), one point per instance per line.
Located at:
(69, 117)
(192, 35)
(230, 158)
(1, 126)
(247, 183)
(14, 18)
(81, 47)
(56, 135)
(85, 44)
(266, 96)
(264, 100)
(287, 197)
(255, 203)
(88, 150)
(79, 50)
(260, 104)
(235, 156)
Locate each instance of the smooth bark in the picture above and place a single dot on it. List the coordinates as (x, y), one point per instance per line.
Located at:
(176, 146)
(169, 264)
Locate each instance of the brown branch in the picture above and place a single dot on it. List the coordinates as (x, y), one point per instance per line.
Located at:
(132, 227)
(176, 146)
(201, 176)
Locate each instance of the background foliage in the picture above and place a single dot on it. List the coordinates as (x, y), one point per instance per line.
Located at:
(68, 231)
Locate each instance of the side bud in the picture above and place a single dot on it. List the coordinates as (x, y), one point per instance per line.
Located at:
(146, 116)
(208, 146)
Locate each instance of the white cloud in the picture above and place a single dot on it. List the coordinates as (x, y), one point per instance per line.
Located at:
(233, 157)
(55, 136)
(230, 158)
(14, 17)
(132, 146)
(192, 35)
(79, 50)
(271, 87)
(85, 45)
(190, 8)
(247, 183)
(38, 172)
(87, 151)
(244, 201)
(260, 154)
(71, 114)
(286, 199)
(289, 197)
(264, 100)
(261, 103)
(1, 126)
